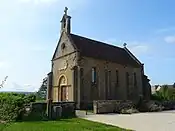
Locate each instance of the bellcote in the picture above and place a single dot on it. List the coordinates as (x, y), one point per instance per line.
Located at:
(66, 22)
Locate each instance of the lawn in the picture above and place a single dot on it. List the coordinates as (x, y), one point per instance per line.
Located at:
(75, 124)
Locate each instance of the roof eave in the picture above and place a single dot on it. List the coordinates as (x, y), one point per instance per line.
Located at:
(133, 57)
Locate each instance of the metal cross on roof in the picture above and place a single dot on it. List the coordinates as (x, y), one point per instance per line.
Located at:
(124, 44)
(65, 10)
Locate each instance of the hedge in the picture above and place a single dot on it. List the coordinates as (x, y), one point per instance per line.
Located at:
(12, 105)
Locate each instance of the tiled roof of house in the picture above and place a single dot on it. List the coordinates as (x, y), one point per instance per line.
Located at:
(100, 50)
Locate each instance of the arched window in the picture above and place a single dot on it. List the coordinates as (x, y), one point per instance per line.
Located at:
(117, 78)
(63, 46)
(135, 79)
(94, 75)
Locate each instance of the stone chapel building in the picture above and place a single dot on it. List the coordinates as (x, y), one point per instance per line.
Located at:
(84, 70)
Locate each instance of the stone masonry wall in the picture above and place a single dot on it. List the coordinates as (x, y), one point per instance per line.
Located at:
(99, 92)
(67, 109)
(110, 106)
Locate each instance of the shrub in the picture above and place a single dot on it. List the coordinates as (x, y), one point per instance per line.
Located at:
(150, 106)
(126, 107)
(12, 105)
(35, 115)
(156, 97)
(35, 111)
(164, 94)
(155, 107)
(30, 98)
(168, 105)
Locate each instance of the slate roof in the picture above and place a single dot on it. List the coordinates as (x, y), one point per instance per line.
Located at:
(100, 50)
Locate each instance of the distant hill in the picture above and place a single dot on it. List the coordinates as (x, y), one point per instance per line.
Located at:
(26, 93)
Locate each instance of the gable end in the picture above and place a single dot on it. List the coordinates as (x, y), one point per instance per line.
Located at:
(64, 42)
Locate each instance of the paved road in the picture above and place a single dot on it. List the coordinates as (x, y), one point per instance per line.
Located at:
(158, 121)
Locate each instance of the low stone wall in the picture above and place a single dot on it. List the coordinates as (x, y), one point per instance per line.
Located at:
(110, 106)
(58, 109)
(168, 105)
(67, 109)
(40, 106)
(86, 105)
(35, 111)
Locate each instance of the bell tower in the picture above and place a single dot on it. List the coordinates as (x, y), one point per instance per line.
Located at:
(66, 22)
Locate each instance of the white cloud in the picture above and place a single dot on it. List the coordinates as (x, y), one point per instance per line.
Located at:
(111, 41)
(13, 86)
(136, 47)
(163, 30)
(139, 49)
(4, 65)
(170, 39)
(72, 4)
(115, 42)
(38, 1)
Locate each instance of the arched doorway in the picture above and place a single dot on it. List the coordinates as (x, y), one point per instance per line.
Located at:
(63, 88)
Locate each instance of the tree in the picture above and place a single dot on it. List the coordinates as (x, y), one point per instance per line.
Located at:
(174, 85)
(156, 86)
(165, 92)
(42, 92)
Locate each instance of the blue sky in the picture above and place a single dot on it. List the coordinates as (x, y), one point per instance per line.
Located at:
(29, 31)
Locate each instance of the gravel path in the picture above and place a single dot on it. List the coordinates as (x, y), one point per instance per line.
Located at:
(157, 121)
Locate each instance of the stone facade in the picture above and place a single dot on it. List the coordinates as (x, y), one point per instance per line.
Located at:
(62, 68)
(79, 78)
(39, 108)
(101, 90)
(111, 106)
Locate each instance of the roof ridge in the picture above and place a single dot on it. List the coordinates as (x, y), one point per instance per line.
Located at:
(101, 50)
(98, 41)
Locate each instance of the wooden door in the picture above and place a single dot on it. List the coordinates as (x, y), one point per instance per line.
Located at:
(63, 93)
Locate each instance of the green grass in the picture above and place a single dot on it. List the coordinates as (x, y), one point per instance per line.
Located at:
(75, 124)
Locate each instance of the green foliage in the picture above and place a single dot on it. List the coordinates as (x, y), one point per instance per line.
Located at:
(164, 93)
(30, 98)
(35, 116)
(75, 124)
(150, 106)
(166, 96)
(36, 112)
(173, 85)
(42, 92)
(156, 97)
(12, 105)
(171, 93)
